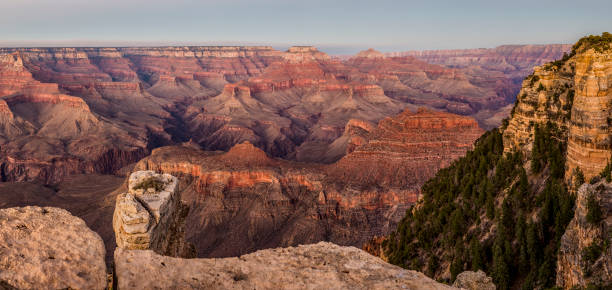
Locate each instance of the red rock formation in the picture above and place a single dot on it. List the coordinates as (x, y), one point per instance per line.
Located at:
(406, 150)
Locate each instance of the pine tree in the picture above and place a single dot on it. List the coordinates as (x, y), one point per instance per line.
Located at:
(501, 273)
(476, 254)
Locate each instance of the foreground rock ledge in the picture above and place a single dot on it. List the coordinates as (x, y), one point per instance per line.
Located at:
(48, 248)
(318, 266)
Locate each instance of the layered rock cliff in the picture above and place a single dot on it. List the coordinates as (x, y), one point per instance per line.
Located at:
(573, 94)
(406, 150)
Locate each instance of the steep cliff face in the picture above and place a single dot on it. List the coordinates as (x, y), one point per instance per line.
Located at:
(573, 94)
(585, 255)
(589, 143)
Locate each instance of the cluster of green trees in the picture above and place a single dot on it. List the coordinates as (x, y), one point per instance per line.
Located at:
(600, 43)
(483, 213)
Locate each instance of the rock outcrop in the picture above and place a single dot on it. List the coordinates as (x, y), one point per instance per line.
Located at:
(151, 216)
(574, 95)
(48, 248)
(474, 281)
(585, 255)
(318, 266)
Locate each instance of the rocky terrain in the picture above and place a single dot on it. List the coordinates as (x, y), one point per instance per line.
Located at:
(67, 111)
(47, 247)
(574, 95)
(151, 215)
(585, 255)
(317, 266)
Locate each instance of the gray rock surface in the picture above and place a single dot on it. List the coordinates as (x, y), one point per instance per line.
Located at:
(318, 266)
(471, 280)
(48, 248)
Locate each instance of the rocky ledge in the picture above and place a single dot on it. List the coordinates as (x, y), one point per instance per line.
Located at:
(48, 248)
(318, 266)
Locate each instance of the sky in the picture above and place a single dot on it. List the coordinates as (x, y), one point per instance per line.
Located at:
(335, 26)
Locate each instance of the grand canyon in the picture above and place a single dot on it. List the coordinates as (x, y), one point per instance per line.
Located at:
(231, 166)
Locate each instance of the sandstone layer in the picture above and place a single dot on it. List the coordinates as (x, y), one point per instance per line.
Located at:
(48, 248)
(322, 265)
(574, 268)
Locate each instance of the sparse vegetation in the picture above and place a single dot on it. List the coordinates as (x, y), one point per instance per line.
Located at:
(599, 43)
(151, 182)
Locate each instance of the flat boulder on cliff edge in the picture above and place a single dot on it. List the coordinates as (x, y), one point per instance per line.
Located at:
(48, 248)
(318, 266)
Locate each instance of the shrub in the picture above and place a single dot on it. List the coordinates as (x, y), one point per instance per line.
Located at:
(594, 214)
(151, 182)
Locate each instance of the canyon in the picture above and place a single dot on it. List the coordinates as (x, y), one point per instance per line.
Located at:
(269, 148)
(244, 200)
(66, 111)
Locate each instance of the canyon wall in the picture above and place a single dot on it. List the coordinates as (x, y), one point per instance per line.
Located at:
(574, 95)
(270, 202)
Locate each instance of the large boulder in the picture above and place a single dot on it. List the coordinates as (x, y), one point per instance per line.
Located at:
(48, 248)
(471, 280)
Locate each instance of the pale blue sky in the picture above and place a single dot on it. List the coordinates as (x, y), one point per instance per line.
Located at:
(341, 26)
